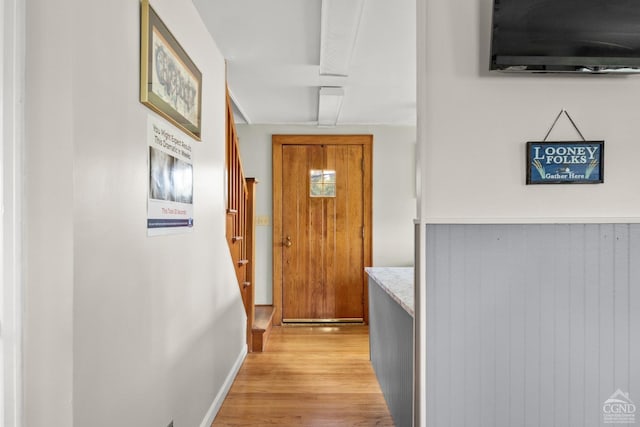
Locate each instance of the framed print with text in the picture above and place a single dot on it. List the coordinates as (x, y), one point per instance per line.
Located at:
(570, 162)
(170, 83)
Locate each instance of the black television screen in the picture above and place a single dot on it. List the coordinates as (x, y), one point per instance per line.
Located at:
(593, 36)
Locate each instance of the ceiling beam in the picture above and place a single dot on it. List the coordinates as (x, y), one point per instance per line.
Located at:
(340, 20)
(329, 105)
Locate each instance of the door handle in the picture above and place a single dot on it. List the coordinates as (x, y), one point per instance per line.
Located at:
(288, 242)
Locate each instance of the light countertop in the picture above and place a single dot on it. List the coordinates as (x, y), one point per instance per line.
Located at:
(397, 282)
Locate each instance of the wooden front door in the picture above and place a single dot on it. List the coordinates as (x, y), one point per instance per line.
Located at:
(322, 227)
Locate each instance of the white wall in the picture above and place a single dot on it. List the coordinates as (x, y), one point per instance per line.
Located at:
(472, 130)
(120, 328)
(476, 124)
(49, 228)
(393, 191)
(12, 39)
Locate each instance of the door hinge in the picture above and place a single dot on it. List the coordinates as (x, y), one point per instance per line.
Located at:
(362, 163)
(363, 231)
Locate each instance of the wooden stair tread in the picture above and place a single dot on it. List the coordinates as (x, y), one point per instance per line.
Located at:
(262, 324)
(263, 317)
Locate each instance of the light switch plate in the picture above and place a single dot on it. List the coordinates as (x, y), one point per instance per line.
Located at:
(262, 220)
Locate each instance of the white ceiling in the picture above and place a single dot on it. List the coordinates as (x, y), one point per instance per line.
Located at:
(272, 50)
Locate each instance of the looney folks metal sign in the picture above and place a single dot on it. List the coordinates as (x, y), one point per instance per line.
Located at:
(565, 162)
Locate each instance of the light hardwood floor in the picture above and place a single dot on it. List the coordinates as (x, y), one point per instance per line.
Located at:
(308, 376)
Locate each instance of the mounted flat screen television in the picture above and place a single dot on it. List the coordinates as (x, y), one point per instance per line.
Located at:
(580, 36)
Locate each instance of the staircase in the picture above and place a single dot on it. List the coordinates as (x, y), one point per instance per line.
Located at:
(240, 233)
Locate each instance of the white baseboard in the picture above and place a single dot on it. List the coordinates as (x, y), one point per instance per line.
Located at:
(224, 390)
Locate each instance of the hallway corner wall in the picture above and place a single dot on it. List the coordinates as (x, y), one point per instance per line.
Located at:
(527, 294)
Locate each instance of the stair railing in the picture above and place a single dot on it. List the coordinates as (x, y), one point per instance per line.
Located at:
(240, 220)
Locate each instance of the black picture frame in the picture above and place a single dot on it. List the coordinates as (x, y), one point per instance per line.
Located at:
(565, 162)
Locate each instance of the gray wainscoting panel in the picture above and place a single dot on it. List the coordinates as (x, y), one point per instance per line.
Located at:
(531, 325)
(391, 341)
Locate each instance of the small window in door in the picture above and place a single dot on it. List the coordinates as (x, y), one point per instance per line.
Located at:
(322, 183)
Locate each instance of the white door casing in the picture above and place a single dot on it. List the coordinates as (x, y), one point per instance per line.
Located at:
(12, 44)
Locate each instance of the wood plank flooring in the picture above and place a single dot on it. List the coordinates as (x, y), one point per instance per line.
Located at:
(309, 376)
